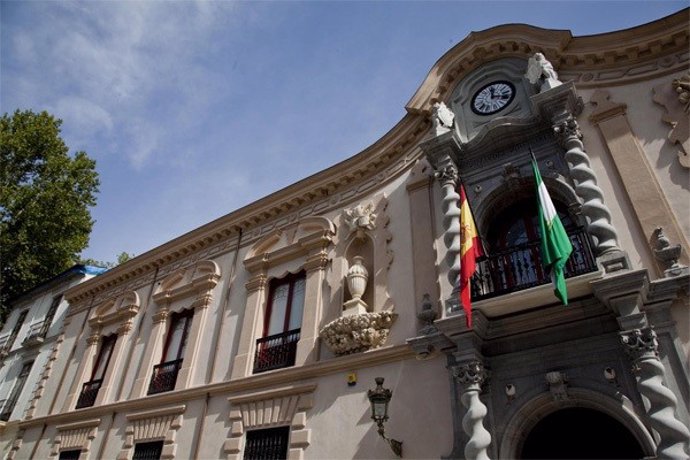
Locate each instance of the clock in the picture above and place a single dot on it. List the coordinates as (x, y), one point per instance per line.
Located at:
(493, 97)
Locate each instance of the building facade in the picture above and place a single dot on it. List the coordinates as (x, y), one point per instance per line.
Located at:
(259, 335)
(27, 339)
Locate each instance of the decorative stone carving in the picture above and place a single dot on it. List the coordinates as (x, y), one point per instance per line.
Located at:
(642, 347)
(442, 118)
(357, 333)
(541, 72)
(471, 376)
(360, 218)
(593, 207)
(427, 316)
(356, 279)
(676, 101)
(558, 385)
(448, 175)
(666, 254)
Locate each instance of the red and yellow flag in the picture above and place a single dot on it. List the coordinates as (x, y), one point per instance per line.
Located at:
(470, 249)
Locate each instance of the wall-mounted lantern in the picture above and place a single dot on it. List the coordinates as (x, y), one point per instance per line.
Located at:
(379, 398)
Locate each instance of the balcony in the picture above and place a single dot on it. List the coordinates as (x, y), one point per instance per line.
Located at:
(520, 267)
(164, 376)
(36, 334)
(87, 397)
(276, 351)
(4, 348)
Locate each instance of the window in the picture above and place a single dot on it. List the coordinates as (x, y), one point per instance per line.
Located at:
(278, 346)
(8, 407)
(148, 450)
(165, 374)
(15, 331)
(70, 454)
(267, 444)
(87, 398)
(513, 244)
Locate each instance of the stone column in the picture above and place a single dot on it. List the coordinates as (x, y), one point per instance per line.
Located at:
(447, 174)
(593, 207)
(151, 353)
(307, 350)
(642, 347)
(256, 288)
(196, 331)
(86, 361)
(470, 376)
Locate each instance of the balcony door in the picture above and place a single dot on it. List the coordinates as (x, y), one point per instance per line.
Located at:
(87, 398)
(165, 374)
(278, 345)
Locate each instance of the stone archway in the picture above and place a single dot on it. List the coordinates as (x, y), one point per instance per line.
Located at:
(580, 433)
(579, 412)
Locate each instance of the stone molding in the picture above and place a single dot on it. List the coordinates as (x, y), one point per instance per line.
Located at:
(652, 49)
(74, 436)
(379, 356)
(45, 375)
(118, 310)
(199, 279)
(279, 407)
(156, 424)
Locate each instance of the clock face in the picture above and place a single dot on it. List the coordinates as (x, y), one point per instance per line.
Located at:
(493, 97)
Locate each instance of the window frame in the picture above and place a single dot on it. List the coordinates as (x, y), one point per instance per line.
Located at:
(291, 280)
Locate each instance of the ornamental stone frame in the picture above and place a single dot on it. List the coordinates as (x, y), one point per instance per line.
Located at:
(267, 409)
(75, 436)
(196, 282)
(153, 425)
(117, 314)
(309, 241)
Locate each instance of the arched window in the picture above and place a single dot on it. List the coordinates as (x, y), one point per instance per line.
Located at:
(513, 255)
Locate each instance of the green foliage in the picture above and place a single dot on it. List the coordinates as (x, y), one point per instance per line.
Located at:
(45, 195)
(121, 259)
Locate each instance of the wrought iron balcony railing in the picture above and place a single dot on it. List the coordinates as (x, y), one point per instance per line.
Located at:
(520, 267)
(4, 341)
(276, 351)
(37, 333)
(164, 376)
(89, 391)
(2, 410)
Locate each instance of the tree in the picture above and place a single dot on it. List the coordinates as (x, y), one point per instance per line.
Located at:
(121, 259)
(45, 196)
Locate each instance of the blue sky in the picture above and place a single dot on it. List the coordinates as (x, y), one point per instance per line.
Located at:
(194, 109)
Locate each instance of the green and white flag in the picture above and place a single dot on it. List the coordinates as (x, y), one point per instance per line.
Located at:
(555, 244)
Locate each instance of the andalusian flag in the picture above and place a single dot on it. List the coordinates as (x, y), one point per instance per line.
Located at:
(470, 249)
(555, 244)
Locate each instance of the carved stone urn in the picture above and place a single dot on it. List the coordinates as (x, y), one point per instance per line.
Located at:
(356, 279)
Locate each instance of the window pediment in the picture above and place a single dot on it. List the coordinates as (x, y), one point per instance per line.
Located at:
(118, 310)
(313, 232)
(186, 282)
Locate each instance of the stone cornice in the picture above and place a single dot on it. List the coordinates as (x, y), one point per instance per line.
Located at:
(659, 47)
(253, 383)
(331, 188)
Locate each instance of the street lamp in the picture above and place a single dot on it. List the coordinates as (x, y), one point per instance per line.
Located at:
(379, 398)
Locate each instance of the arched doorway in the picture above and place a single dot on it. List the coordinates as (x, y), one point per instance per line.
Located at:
(580, 433)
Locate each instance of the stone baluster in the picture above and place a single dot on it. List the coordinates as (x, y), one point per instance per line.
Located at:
(448, 176)
(586, 187)
(471, 376)
(642, 347)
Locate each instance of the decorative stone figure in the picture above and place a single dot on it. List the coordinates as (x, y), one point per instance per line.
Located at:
(361, 218)
(357, 277)
(541, 72)
(441, 118)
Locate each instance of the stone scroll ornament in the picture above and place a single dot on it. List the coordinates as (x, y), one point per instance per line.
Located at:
(471, 376)
(642, 348)
(586, 187)
(677, 104)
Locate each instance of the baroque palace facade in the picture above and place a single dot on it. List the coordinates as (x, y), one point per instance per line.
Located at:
(260, 334)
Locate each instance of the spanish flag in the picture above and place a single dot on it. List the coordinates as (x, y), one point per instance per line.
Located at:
(470, 249)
